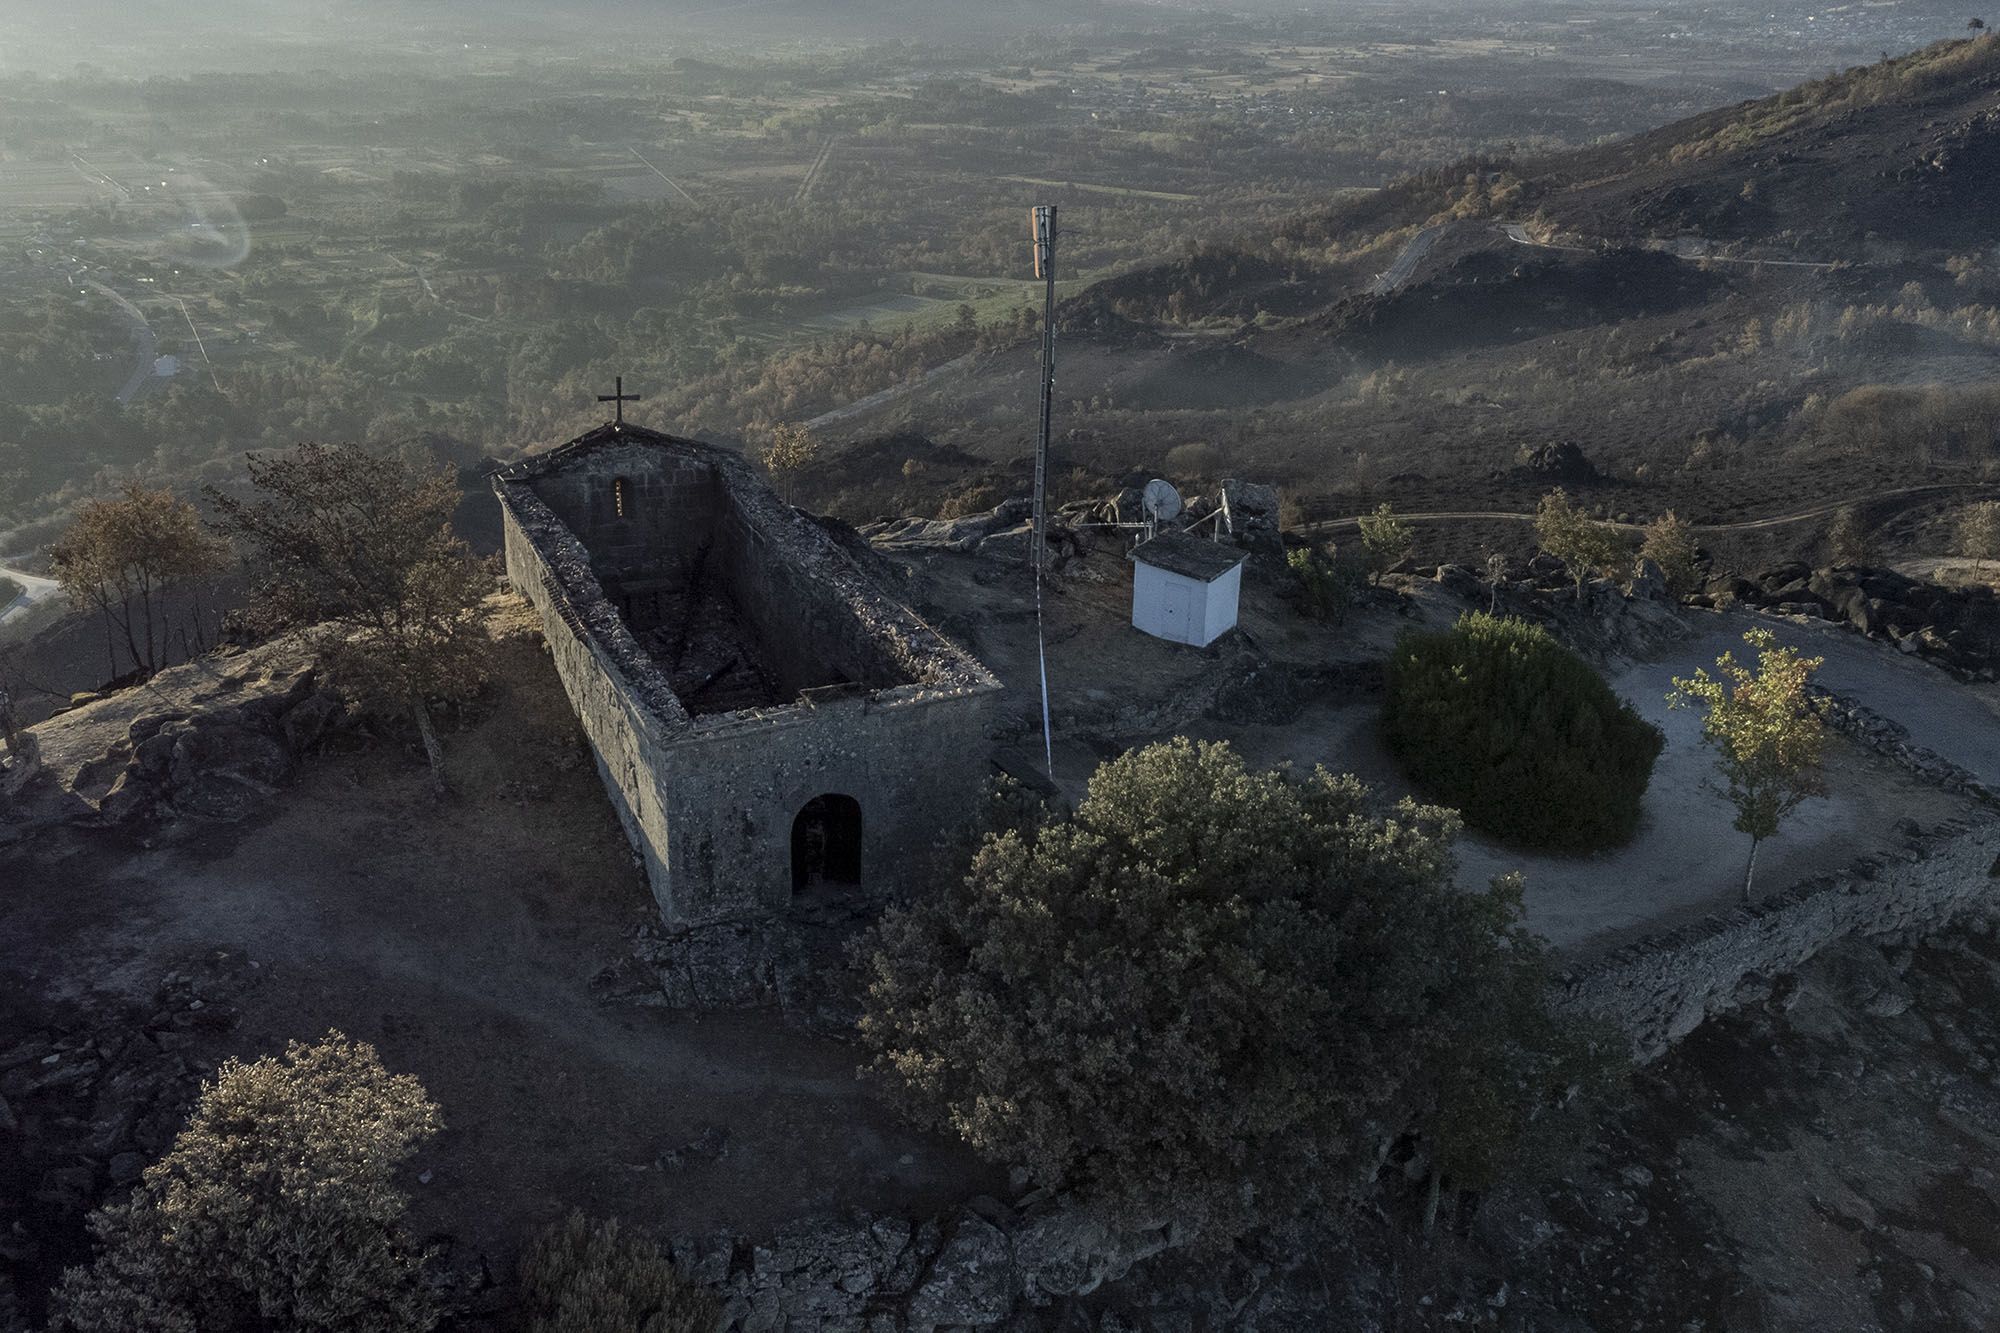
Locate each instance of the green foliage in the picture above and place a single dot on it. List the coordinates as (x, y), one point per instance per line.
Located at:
(1768, 737)
(1211, 994)
(1669, 543)
(1498, 719)
(1327, 584)
(1386, 538)
(1586, 546)
(276, 1209)
(583, 1278)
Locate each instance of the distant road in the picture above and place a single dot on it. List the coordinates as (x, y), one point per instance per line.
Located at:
(888, 395)
(1398, 273)
(145, 345)
(34, 589)
(1745, 525)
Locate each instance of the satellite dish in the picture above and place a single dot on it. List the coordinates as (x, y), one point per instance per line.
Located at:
(1162, 501)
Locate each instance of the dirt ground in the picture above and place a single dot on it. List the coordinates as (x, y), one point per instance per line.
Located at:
(1112, 686)
(461, 938)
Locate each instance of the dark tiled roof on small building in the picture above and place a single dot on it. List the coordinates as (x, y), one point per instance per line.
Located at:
(1193, 557)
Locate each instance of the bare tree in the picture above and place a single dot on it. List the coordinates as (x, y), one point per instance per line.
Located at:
(357, 549)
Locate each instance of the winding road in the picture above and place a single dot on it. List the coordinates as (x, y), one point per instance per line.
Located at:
(34, 589)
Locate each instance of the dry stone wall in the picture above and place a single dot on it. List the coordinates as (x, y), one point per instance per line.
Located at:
(1663, 988)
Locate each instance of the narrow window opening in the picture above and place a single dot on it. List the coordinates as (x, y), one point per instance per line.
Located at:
(619, 502)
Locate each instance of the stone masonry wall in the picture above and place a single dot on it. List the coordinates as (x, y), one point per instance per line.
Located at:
(607, 686)
(1663, 988)
(709, 802)
(914, 758)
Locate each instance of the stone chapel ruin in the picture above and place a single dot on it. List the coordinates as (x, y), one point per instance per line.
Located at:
(765, 717)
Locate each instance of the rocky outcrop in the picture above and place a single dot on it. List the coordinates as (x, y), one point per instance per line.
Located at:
(88, 1102)
(1561, 462)
(206, 743)
(975, 1269)
(1607, 621)
(1957, 628)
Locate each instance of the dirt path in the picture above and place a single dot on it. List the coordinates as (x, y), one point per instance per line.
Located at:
(1825, 510)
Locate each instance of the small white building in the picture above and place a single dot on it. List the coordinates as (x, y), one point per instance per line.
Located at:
(1185, 589)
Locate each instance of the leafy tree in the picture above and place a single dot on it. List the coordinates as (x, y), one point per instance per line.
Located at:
(580, 1277)
(1386, 538)
(1498, 719)
(1327, 584)
(1210, 994)
(1584, 545)
(1979, 532)
(1769, 739)
(358, 549)
(790, 450)
(276, 1208)
(1847, 538)
(1669, 543)
(127, 556)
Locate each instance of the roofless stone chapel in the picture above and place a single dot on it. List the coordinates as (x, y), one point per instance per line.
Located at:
(765, 717)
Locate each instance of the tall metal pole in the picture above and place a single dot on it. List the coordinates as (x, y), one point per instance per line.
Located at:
(1042, 220)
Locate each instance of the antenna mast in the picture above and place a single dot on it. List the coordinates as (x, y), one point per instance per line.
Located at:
(1042, 226)
(1042, 221)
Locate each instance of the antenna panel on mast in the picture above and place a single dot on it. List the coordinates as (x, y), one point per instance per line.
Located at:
(1162, 501)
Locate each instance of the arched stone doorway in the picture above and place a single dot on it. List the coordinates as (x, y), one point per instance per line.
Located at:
(826, 843)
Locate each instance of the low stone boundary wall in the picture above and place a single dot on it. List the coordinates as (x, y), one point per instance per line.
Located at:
(1891, 739)
(1661, 989)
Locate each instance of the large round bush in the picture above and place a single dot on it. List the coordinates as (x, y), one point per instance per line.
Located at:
(1498, 719)
(1211, 994)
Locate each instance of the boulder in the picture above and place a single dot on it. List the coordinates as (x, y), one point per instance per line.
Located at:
(971, 1282)
(1252, 505)
(1067, 1252)
(219, 774)
(1564, 461)
(1649, 581)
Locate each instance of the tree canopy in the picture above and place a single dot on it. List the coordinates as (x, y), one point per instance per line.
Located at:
(1768, 737)
(358, 547)
(1496, 718)
(1213, 994)
(276, 1208)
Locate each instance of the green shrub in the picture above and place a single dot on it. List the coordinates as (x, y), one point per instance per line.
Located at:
(1211, 994)
(275, 1209)
(584, 1278)
(1498, 719)
(1328, 585)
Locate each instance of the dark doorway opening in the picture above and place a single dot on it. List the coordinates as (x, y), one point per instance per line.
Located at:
(826, 842)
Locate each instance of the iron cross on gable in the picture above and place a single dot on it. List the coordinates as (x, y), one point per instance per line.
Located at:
(619, 397)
